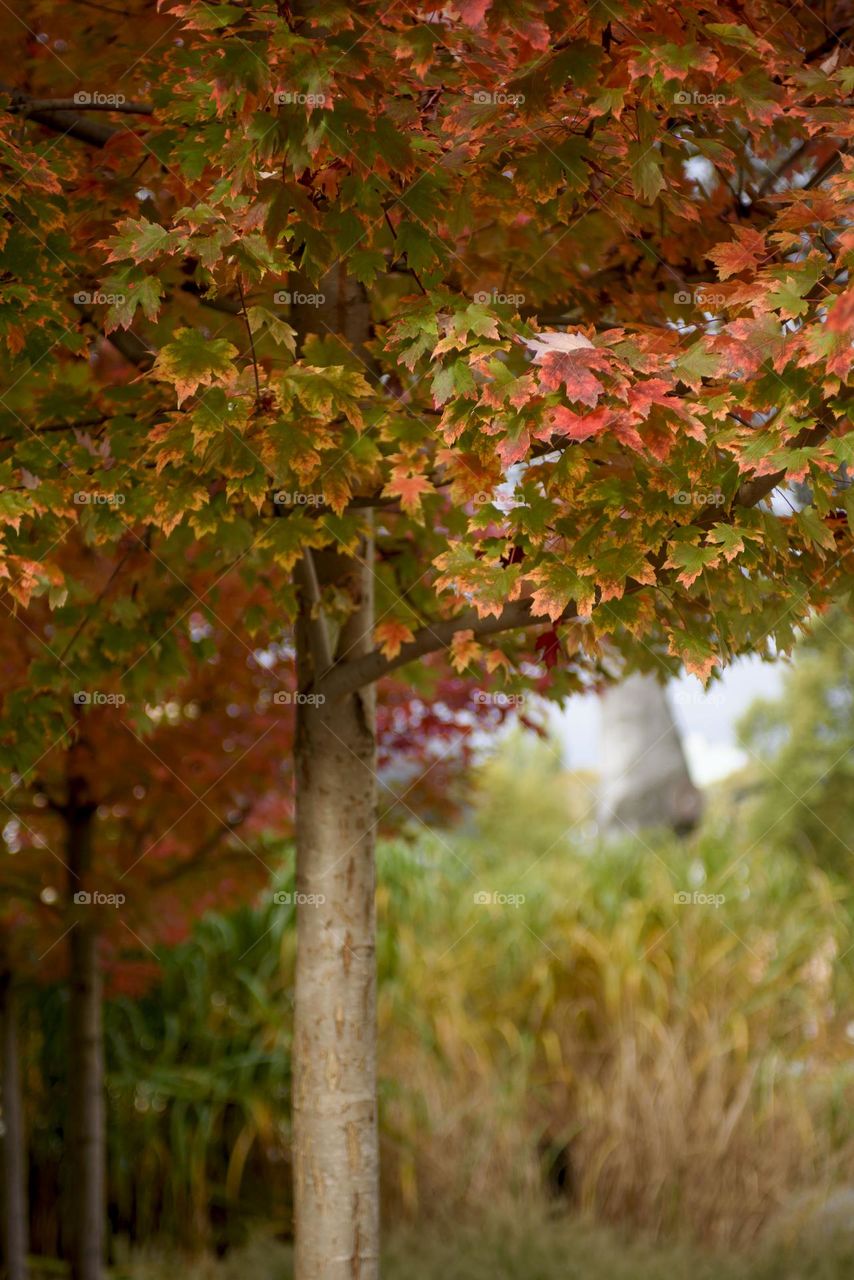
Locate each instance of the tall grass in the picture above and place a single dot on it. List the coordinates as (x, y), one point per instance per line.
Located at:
(684, 1063)
(680, 1069)
(527, 1247)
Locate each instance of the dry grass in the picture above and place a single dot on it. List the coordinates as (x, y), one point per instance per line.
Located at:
(525, 1246)
(691, 1057)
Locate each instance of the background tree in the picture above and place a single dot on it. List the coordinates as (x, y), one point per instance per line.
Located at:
(644, 778)
(798, 776)
(14, 1175)
(125, 830)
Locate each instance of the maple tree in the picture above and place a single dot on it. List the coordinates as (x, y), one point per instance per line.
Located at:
(132, 823)
(445, 326)
(138, 819)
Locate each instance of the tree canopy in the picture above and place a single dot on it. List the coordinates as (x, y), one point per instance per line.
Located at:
(603, 251)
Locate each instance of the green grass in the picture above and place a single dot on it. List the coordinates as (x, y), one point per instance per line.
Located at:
(529, 1246)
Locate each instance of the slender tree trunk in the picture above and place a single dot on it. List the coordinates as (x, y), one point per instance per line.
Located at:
(335, 1146)
(86, 1121)
(15, 1215)
(336, 1161)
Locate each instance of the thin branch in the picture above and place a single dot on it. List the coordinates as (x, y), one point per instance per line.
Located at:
(752, 491)
(409, 267)
(24, 106)
(195, 863)
(306, 577)
(87, 616)
(251, 339)
(346, 677)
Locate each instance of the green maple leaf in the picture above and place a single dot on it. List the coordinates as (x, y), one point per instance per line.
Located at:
(647, 177)
(452, 379)
(691, 560)
(326, 392)
(191, 361)
(261, 319)
(697, 363)
(141, 241)
(788, 297)
(558, 586)
(139, 291)
(734, 33)
(695, 651)
(814, 530)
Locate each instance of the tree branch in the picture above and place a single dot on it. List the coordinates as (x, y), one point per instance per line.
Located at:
(752, 491)
(24, 106)
(71, 125)
(346, 677)
(63, 115)
(321, 649)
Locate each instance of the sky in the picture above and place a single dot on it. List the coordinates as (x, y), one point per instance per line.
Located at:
(707, 720)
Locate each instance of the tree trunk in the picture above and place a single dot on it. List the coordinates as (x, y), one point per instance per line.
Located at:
(86, 1129)
(645, 781)
(336, 1159)
(15, 1216)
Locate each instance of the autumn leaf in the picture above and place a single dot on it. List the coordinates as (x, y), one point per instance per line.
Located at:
(391, 635)
(464, 650)
(573, 372)
(409, 489)
(741, 254)
(558, 586)
(191, 361)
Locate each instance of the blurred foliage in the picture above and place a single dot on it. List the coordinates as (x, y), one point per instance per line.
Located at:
(801, 776)
(655, 1035)
(531, 1246)
(523, 798)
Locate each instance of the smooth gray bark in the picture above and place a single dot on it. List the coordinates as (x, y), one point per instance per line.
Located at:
(336, 1158)
(335, 1141)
